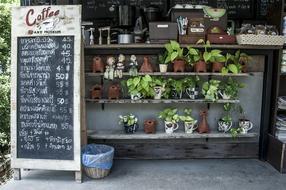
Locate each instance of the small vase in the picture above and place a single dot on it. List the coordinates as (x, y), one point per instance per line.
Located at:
(150, 126)
(224, 95)
(163, 68)
(130, 129)
(158, 92)
(137, 96)
(217, 67)
(97, 65)
(203, 125)
(179, 65)
(193, 93)
(245, 125)
(190, 127)
(114, 91)
(200, 67)
(176, 95)
(224, 126)
(170, 127)
(96, 91)
(146, 66)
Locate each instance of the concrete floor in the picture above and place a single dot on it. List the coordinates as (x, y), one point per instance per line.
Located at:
(163, 174)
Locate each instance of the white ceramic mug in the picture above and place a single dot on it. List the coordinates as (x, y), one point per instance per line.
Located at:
(171, 127)
(192, 93)
(245, 126)
(223, 126)
(190, 127)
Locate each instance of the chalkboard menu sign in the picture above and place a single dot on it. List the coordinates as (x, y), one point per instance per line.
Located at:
(45, 97)
(45, 93)
(264, 5)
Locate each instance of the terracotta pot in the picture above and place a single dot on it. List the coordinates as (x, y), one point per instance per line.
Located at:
(114, 91)
(146, 66)
(203, 125)
(97, 65)
(179, 65)
(150, 126)
(217, 67)
(200, 67)
(96, 91)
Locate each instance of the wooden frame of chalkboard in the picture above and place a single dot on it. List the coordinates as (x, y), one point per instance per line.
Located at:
(46, 92)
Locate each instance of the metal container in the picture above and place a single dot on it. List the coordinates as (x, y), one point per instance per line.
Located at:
(125, 38)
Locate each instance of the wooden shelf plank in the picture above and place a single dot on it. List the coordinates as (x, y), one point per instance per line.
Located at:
(159, 46)
(120, 135)
(90, 74)
(166, 101)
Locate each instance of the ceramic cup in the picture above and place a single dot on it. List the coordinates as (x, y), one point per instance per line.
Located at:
(224, 127)
(193, 93)
(158, 92)
(170, 127)
(190, 127)
(245, 126)
(136, 96)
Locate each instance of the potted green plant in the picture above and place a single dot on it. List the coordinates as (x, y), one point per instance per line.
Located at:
(191, 86)
(201, 64)
(140, 87)
(210, 89)
(193, 56)
(158, 84)
(163, 66)
(232, 64)
(225, 123)
(230, 88)
(177, 88)
(243, 60)
(130, 123)
(171, 119)
(175, 54)
(189, 121)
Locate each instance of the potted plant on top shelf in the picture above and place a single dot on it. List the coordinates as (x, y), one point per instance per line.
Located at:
(191, 86)
(189, 121)
(175, 54)
(193, 56)
(171, 119)
(130, 123)
(230, 88)
(225, 123)
(210, 90)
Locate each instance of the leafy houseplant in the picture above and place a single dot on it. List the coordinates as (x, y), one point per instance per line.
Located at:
(177, 87)
(171, 119)
(191, 86)
(163, 66)
(201, 65)
(193, 55)
(230, 89)
(175, 54)
(140, 87)
(130, 123)
(189, 121)
(210, 89)
(225, 123)
(158, 84)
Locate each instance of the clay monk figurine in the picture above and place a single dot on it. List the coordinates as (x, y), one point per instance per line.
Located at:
(120, 66)
(203, 125)
(146, 66)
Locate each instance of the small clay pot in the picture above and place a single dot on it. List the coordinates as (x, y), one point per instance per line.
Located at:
(217, 67)
(146, 66)
(97, 65)
(179, 65)
(114, 91)
(96, 91)
(203, 125)
(150, 126)
(200, 67)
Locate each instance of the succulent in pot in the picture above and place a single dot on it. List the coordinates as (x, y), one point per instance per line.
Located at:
(163, 66)
(191, 86)
(175, 54)
(210, 90)
(171, 119)
(130, 123)
(230, 89)
(189, 121)
(225, 123)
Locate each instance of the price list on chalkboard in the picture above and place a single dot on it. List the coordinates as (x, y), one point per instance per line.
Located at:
(45, 97)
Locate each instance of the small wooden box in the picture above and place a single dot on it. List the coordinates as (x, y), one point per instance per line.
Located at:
(191, 38)
(221, 39)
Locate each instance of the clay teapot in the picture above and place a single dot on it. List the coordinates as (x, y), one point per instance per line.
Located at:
(146, 66)
(97, 65)
(203, 125)
(114, 91)
(96, 91)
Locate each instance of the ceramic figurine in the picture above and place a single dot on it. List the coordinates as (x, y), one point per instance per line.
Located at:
(109, 69)
(133, 70)
(97, 65)
(146, 66)
(96, 91)
(114, 91)
(203, 125)
(120, 66)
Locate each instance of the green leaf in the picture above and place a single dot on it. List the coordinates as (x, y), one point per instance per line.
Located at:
(175, 45)
(193, 51)
(224, 71)
(207, 56)
(220, 59)
(233, 68)
(168, 59)
(136, 81)
(216, 52)
(174, 55)
(168, 48)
